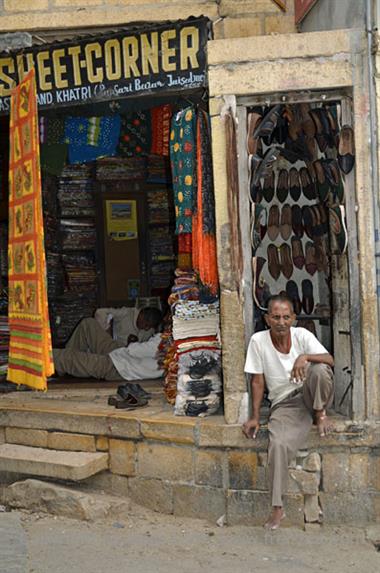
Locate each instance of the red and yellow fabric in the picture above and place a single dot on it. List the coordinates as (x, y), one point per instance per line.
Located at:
(30, 353)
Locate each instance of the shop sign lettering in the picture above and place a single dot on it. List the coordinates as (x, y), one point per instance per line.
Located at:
(159, 58)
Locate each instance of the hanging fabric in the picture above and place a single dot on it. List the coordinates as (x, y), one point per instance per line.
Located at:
(204, 241)
(182, 158)
(30, 352)
(160, 120)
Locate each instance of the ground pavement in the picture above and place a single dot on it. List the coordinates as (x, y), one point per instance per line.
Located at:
(146, 542)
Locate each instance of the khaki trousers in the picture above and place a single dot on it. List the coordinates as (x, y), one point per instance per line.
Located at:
(87, 353)
(290, 422)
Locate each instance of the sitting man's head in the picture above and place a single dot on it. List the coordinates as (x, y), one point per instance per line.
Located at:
(149, 317)
(280, 314)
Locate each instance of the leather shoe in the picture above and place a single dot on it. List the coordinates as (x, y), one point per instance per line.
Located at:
(274, 266)
(346, 149)
(282, 185)
(294, 184)
(273, 222)
(286, 261)
(307, 296)
(286, 222)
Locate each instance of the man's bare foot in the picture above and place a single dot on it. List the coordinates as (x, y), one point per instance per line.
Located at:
(323, 423)
(275, 518)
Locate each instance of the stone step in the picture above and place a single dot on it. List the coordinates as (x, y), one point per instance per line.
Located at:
(57, 464)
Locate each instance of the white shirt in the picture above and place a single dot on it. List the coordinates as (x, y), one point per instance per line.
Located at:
(124, 323)
(138, 361)
(263, 358)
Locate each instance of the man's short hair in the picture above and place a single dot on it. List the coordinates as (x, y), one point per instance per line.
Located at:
(279, 298)
(152, 316)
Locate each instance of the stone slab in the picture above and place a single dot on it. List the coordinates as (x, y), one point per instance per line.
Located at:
(154, 494)
(122, 457)
(160, 461)
(26, 437)
(71, 442)
(168, 430)
(307, 45)
(198, 501)
(51, 463)
(37, 495)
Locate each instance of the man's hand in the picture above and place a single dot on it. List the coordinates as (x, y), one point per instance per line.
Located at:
(132, 338)
(298, 373)
(251, 428)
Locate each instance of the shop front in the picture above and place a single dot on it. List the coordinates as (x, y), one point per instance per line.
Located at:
(303, 226)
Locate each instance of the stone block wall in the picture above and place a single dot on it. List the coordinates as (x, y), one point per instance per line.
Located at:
(233, 18)
(216, 472)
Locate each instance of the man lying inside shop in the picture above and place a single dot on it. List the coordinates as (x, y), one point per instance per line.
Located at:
(129, 324)
(91, 352)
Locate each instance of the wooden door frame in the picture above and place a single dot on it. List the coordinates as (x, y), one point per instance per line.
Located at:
(357, 406)
(119, 190)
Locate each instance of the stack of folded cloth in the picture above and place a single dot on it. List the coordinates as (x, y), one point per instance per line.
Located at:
(76, 191)
(121, 168)
(78, 234)
(198, 352)
(80, 270)
(67, 311)
(158, 169)
(192, 319)
(4, 344)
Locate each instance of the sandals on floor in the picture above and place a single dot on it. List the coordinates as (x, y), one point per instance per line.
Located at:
(127, 402)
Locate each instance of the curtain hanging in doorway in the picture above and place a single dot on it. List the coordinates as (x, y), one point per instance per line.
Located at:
(30, 353)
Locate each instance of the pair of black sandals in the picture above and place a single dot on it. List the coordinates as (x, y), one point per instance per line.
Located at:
(129, 396)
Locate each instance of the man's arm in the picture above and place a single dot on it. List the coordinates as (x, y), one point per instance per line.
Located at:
(105, 315)
(299, 367)
(251, 427)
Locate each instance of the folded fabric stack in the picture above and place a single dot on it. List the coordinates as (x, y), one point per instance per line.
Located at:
(198, 352)
(158, 169)
(78, 234)
(131, 168)
(161, 239)
(55, 274)
(80, 271)
(66, 312)
(76, 192)
(4, 344)
(192, 319)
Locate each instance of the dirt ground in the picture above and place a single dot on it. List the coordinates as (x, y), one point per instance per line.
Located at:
(147, 542)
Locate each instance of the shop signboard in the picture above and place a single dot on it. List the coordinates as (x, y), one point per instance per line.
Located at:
(157, 58)
(301, 8)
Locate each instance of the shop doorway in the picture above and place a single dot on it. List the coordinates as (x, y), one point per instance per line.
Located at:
(298, 221)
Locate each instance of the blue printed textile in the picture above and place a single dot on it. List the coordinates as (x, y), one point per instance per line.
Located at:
(90, 138)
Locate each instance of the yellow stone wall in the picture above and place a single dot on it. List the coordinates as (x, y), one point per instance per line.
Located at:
(232, 18)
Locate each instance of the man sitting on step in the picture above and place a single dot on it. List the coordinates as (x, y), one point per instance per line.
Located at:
(91, 352)
(297, 371)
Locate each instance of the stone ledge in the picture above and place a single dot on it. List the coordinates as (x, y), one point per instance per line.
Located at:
(104, 16)
(307, 45)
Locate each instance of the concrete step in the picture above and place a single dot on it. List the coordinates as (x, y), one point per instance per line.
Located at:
(51, 463)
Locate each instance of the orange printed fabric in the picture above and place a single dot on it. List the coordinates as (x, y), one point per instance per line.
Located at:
(30, 352)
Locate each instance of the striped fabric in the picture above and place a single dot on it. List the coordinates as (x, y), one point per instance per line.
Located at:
(30, 353)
